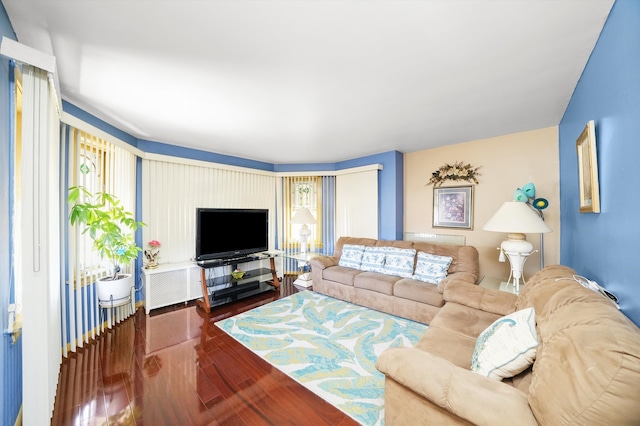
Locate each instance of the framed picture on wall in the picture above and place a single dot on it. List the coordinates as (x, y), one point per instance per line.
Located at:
(588, 170)
(453, 207)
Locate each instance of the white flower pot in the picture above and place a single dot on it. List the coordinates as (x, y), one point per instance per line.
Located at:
(113, 293)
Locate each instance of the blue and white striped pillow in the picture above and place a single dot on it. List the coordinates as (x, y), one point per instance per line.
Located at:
(351, 256)
(432, 268)
(373, 259)
(399, 262)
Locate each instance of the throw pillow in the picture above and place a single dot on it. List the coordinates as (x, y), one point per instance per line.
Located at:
(373, 259)
(507, 347)
(399, 262)
(351, 256)
(432, 268)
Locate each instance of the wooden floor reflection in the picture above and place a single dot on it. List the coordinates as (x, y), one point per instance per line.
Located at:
(175, 367)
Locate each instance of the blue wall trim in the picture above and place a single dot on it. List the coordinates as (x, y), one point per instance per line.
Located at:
(603, 247)
(194, 154)
(98, 123)
(304, 167)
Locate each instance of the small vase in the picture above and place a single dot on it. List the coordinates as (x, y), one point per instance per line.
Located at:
(152, 264)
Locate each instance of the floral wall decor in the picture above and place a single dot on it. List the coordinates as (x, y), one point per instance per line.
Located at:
(456, 172)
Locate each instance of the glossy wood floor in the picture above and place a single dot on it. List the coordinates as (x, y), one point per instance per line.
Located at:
(175, 367)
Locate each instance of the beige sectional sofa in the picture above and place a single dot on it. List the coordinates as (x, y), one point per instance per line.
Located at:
(401, 296)
(586, 369)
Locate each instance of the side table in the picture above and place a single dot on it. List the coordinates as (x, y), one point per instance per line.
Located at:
(304, 281)
(497, 283)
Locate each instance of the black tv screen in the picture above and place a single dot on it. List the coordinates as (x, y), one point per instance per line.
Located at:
(228, 233)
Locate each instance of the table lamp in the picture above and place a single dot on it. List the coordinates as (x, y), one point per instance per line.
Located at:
(303, 217)
(516, 219)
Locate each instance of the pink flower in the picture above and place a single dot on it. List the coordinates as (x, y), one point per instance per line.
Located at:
(154, 243)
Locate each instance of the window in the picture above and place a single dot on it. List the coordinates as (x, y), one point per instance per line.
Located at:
(98, 166)
(303, 192)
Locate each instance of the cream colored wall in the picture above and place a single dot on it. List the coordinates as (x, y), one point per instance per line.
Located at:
(507, 163)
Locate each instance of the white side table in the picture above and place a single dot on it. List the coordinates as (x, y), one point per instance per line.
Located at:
(496, 283)
(304, 281)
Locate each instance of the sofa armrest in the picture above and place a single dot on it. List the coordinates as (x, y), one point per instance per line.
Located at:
(484, 299)
(323, 262)
(463, 393)
(456, 276)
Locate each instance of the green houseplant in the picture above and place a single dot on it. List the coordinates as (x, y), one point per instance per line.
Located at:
(111, 228)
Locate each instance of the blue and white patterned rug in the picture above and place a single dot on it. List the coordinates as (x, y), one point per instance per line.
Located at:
(327, 345)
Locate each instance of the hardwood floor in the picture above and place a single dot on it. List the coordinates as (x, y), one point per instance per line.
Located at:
(175, 367)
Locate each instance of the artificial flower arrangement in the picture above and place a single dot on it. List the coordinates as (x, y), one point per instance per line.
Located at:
(152, 254)
(456, 172)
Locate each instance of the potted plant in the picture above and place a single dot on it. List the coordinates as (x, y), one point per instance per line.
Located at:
(111, 228)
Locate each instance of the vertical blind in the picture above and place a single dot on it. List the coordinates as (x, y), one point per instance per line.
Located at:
(357, 204)
(40, 245)
(171, 192)
(99, 166)
(328, 214)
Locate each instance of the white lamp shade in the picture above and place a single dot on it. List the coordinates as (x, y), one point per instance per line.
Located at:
(303, 217)
(516, 217)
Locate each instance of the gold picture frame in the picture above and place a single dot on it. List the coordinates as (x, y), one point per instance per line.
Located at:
(588, 170)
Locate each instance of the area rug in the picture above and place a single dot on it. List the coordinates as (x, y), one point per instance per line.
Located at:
(327, 345)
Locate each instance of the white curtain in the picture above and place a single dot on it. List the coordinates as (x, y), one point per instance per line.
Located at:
(357, 204)
(172, 190)
(40, 237)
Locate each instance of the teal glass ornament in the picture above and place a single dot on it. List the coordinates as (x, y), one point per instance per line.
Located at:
(519, 195)
(529, 190)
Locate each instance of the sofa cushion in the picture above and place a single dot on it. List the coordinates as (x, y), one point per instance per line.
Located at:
(373, 259)
(463, 320)
(340, 274)
(399, 262)
(452, 333)
(337, 252)
(507, 347)
(380, 283)
(432, 268)
(351, 256)
(419, 291)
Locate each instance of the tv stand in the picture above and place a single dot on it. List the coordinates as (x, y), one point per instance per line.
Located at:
(218, 290)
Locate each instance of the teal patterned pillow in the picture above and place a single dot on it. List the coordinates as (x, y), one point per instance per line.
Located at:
(432, 268)
(399, 262)
(373, 259)
(351, 256)
(507, 347)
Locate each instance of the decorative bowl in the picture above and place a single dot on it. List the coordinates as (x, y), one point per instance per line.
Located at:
(237, 274)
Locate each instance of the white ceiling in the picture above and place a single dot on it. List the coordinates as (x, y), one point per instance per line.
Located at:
(315, 81)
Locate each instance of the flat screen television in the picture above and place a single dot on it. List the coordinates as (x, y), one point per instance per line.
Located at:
(229, 233)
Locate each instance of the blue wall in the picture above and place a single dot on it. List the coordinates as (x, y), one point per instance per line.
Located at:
(10, 354)
(604, 246)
